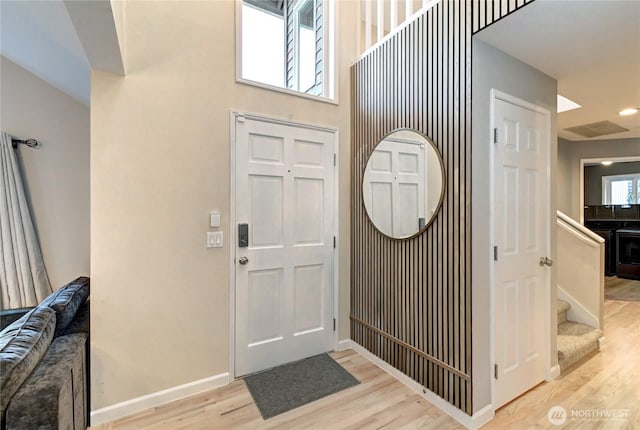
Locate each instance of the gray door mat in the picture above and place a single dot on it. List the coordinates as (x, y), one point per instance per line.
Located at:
(291, 385)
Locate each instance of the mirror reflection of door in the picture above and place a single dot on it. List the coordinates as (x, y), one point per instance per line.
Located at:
(403, 184)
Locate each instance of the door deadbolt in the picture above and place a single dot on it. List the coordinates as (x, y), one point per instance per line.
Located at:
(546, 261)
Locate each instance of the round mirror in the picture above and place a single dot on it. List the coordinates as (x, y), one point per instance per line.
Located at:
(403, 184)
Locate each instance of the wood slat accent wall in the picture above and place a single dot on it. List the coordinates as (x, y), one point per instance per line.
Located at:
(411, 299)
(486, 12)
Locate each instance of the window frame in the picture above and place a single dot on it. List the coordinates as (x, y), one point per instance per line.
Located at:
(635, 186)
(330, 86)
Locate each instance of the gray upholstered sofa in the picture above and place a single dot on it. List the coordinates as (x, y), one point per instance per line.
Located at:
(44, 361)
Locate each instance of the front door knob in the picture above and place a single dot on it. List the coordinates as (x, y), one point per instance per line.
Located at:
(243, 260)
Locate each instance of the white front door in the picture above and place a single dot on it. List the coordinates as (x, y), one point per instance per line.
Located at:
(284, 275)
(395, 193)
(522, 236)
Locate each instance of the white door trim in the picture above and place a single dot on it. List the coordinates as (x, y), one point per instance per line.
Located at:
(583, 162)
(499, 95)
(233, 114)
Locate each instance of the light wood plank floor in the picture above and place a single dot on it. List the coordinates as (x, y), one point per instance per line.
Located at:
(607, 380)
(621, 289)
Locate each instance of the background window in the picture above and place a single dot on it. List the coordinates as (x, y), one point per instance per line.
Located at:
(621, 190)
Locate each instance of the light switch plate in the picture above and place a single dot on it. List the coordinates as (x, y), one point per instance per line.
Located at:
(214, 239)
(214, 219)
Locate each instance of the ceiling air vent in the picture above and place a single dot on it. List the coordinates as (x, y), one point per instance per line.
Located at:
(596, 129)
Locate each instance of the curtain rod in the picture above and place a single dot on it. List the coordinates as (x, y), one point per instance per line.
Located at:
(31, 143)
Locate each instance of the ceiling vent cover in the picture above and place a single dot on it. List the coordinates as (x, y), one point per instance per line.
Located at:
(596, 129)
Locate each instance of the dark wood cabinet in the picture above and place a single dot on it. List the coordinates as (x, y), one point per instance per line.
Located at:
(619, 225)
(609, 236)
(628, 253)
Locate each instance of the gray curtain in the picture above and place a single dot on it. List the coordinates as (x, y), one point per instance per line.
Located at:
(23, 277)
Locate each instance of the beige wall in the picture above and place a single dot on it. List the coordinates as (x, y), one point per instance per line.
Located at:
(56, 175)
(159, 165)
(578, 150)
(495, 69)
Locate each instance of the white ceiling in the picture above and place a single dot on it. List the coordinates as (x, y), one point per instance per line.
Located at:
(591, 47)
(40, 37)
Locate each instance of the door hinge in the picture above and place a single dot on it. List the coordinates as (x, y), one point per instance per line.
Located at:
(334, 324)
(495, 253)
(334, 242)
(334, 160)
(495, 371)
(240, 118)
(495, 135)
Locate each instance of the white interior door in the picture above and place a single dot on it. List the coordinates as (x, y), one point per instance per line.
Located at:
(522, 237)
(396, 191)
(284, 277)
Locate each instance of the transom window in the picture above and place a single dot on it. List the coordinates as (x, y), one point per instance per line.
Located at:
(621, 189)
(283, 44)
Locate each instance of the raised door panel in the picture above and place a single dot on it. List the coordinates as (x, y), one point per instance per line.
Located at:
(264, 306)
(381, 205)
(408, 214)
(266, 196)
(309, 285)
(266, 149)
(308, 153)
(309, 211)
(510, 202)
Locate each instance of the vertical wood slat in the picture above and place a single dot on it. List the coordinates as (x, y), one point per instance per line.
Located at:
(486, 12)
(411, 299)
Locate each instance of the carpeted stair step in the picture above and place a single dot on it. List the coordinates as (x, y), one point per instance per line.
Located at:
(563, 307)
(575, 341)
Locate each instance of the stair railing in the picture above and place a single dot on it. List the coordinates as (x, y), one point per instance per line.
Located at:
(580, 262)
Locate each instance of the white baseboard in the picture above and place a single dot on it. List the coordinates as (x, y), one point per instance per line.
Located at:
(476, 421)
(139, 404)
(344, 344)
(483, 416)
(602, 342)
(554, 372)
